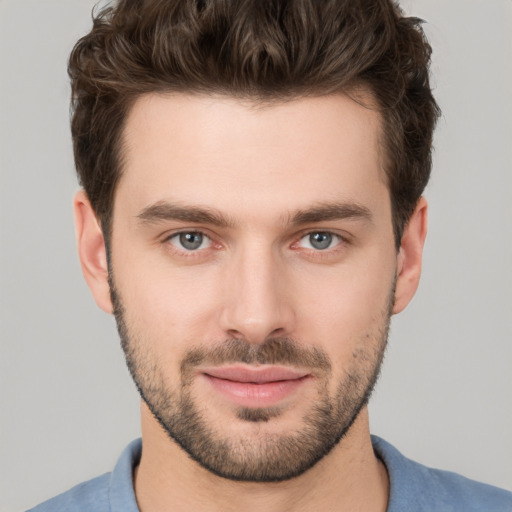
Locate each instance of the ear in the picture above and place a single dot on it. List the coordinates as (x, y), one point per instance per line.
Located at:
(92, 251)
(410, 257)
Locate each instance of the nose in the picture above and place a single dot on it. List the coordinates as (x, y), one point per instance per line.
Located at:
(257, 298)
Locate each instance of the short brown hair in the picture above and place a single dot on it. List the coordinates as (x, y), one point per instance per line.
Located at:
(262, 50)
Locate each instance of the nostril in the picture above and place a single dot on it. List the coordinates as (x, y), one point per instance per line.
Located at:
(277, 332)
(233, 333)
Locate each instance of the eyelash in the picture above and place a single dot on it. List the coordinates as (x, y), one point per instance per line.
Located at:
(341, 241)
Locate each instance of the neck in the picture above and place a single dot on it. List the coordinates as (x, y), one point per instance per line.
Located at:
(350, 477)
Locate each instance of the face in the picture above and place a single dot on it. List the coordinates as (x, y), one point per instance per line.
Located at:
(252, 274)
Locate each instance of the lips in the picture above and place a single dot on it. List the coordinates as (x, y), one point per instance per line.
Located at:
(255, 375)
(255, 387)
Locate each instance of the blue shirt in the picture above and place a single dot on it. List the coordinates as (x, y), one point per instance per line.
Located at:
(413, 488)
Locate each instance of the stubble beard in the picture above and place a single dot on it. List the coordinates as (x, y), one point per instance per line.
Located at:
(268, 457)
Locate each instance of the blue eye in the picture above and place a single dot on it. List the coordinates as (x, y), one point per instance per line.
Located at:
(190, 240)
(320, 240)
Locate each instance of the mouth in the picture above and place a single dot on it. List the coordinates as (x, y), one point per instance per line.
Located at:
(255, 387)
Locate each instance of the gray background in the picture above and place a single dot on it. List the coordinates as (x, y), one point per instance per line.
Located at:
(67, 405)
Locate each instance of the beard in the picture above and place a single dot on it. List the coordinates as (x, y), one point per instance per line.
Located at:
(266, 456)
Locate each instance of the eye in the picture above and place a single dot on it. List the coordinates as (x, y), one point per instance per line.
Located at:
(319, 240)
(190, 240)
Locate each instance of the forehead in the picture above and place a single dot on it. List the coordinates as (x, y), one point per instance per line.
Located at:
(216, 149)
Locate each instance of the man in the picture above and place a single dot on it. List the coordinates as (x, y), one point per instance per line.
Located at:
(252, 215)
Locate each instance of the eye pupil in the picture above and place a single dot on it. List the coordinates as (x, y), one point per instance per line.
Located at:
(191, 241)
(320, 240)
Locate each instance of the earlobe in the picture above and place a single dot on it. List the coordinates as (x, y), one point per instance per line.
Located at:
(410, 257)
(92, 251)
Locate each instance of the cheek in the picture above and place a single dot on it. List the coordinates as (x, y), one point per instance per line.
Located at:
(168, 305)
(346, 296)
(345, 309)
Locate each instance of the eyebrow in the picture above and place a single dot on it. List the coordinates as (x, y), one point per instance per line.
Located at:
(332, 211)
(165, 211)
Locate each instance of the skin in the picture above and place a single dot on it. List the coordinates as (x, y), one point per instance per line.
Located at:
(257, 166)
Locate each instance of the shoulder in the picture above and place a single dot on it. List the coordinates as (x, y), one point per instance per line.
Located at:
(85, 497)
(417, 487)
(111, 492)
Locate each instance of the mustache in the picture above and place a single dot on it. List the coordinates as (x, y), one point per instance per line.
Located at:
(278, 350)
